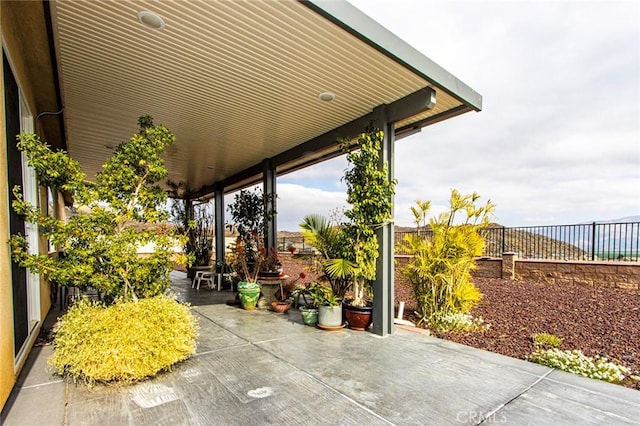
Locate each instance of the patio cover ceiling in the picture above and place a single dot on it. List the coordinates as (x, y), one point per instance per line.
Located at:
(236, 81)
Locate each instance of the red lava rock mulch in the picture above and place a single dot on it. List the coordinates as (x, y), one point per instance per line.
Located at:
(598, 321)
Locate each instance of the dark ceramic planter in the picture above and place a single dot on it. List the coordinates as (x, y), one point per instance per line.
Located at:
(358, 318)
(270, 274)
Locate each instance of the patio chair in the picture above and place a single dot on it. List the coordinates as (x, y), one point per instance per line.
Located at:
(206, 276)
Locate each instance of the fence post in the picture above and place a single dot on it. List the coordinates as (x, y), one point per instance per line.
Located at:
(509, 265)
(593, 241)
(503, 240)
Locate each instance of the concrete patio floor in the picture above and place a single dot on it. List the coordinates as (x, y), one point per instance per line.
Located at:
(258, 367)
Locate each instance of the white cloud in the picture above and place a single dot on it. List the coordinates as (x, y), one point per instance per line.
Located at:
(297, 201)
(558, 139)
(326, 175)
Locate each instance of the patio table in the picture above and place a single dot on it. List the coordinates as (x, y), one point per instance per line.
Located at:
(269, 287)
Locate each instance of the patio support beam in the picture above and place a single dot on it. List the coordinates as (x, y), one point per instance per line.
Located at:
(412, 104)
(383, 285)
(325, 146)
(270, 198)
(219, 223)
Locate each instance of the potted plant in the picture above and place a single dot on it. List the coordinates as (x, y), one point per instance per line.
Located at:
(248, 288)
(328, 238)
(271, 266)
(329, 309)
(350, 248)
(249, 294)
(309, 315)
(282, 304)
(312, 296)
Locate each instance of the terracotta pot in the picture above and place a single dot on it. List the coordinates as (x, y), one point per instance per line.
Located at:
(358, 318)
(280, 307)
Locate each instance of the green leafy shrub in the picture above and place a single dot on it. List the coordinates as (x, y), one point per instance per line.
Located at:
(250, 212)
(195, 220)
(578, 363)
(350, 247)
(443, 257)
(546, 340)
(100, 243)
(126, 341)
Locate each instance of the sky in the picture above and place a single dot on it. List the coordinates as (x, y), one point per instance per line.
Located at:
(558, 139)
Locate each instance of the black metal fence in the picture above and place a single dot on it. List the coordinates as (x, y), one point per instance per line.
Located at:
(298, 242)
(592, 241)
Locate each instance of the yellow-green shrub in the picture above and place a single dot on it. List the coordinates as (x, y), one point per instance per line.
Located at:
(126, 341)
(546, 340)
(443, 256)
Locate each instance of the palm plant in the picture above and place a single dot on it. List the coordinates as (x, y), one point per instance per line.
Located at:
(329, 239)
(440, 270)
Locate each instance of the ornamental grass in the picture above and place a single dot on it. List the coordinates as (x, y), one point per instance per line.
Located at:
(123, 342)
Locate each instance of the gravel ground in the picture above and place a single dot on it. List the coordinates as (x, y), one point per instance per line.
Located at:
(598, 321)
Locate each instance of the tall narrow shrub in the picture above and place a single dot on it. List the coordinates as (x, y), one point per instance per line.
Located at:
(443, 256)
(369, 193)
(250, 212)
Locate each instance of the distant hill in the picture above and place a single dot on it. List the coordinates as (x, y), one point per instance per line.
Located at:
(627, 219)
(614, 239)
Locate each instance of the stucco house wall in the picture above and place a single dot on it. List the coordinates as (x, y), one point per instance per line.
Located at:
(25, 44)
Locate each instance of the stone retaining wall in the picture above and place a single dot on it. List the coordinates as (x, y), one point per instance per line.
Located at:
(604, 274)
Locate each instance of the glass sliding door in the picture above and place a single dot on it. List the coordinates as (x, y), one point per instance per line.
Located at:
(25, 286)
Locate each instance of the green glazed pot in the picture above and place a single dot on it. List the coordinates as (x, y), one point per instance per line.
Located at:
(249, 294)
(309, 316)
